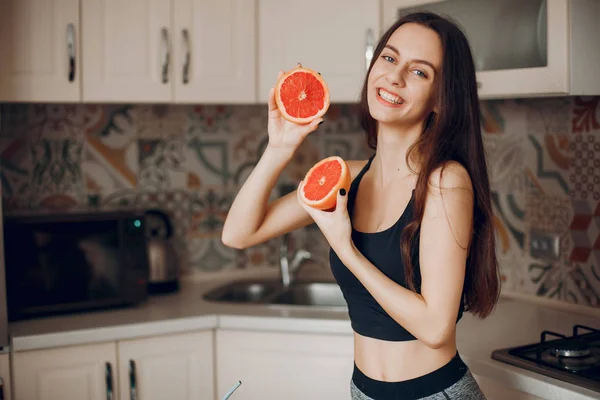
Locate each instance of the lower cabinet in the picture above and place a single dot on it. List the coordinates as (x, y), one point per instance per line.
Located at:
(177, 367)
(5, 380)
(494, 390)
(284, 365)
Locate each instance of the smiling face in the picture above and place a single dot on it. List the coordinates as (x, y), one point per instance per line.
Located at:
(402, 82)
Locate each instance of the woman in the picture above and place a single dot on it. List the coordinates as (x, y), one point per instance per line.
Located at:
(412, 242)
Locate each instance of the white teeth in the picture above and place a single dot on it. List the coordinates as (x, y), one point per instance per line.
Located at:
(390, 97)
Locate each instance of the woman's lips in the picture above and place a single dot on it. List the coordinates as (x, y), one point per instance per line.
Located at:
(387, 103)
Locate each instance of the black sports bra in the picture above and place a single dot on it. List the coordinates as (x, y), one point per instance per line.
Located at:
(382, 249)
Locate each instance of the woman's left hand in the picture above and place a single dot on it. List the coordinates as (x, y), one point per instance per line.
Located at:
(335, 225)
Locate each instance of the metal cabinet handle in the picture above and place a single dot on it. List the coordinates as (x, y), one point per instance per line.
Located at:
(370, 47)
(479, 85)
(186, 62)
(165, 56)
(71, 51)
(109, 381)
(132, 381)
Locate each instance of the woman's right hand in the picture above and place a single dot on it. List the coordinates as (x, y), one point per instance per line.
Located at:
(286, 136)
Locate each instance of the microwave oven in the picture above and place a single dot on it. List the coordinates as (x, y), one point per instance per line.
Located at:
(74, 261)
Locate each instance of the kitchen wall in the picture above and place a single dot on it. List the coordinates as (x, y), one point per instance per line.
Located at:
(543, 154)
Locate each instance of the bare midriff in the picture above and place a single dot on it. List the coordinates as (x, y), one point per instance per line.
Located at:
(398, 361)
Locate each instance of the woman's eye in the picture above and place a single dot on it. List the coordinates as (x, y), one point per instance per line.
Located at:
(388, 58)
(419, 73)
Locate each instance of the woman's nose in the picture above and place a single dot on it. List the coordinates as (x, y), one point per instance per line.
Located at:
(396, 77)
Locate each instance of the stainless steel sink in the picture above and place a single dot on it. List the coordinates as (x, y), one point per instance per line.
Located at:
(249, 291)
(272, 292)
(312, 294)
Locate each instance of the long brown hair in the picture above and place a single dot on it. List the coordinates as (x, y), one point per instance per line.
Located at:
(452, 134)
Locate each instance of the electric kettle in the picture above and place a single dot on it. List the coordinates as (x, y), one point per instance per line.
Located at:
(162, 257)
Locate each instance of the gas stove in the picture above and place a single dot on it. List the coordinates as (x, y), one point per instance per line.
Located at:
(574, 359)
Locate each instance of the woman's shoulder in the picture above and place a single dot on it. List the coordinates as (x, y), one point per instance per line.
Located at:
(450, 175)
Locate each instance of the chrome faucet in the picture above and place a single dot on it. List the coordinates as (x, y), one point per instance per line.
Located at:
(289, 269)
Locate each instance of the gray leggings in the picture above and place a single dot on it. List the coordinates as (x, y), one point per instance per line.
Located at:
(451, 381)
(465, 389)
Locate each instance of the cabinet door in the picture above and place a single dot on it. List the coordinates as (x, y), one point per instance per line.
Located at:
(126, 47)
(39, 50)
(85, 372)
(331, 37)
(496, 391)
(215, 43)
(5, 385)
(178, 367)
(284, 365)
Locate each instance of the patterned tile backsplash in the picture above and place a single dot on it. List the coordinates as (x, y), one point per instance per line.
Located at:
(543, 155)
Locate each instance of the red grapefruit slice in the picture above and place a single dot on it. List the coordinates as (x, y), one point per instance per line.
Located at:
(323, 181)
(302, 95)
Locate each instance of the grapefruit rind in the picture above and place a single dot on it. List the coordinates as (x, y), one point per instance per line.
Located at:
(328, 201)
(280, 102)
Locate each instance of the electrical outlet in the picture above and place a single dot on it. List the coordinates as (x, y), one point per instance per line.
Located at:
(544, 245)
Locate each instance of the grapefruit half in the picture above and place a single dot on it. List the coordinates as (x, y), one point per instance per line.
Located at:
(323, 181)
(302, 95)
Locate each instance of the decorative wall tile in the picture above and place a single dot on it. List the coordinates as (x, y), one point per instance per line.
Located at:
(16, 165)
(341, 118)
(586, 115)
(584, 174)
(505, 159)
(212, 118)
(505, 117)
(548, 115)
(191, 161)
(162, 121)
(56, 177)
(547, 163)
(162, 164)
(208, 210)
(583, 285)
(585, 231)
(510, 237)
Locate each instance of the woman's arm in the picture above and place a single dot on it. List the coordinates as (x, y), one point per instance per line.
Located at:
(250, 220)
(444, 238)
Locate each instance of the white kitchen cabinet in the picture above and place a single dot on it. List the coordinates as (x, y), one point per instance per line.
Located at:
(39, 51)
(126, 47)
(494, 390)
(5, 384)
(86, 372)
(284, 365)
(332, 37)
(166, 51)
(523, 49)
(178, 367)
(215, 51)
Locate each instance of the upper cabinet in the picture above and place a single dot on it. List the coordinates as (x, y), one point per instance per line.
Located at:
(127, 50)
(214, 45)
(40, 50)
(333, 37)
(169, 51)
(523, 48)
(230, 51)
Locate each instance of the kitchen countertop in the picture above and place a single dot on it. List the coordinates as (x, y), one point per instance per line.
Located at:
(513, 323)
